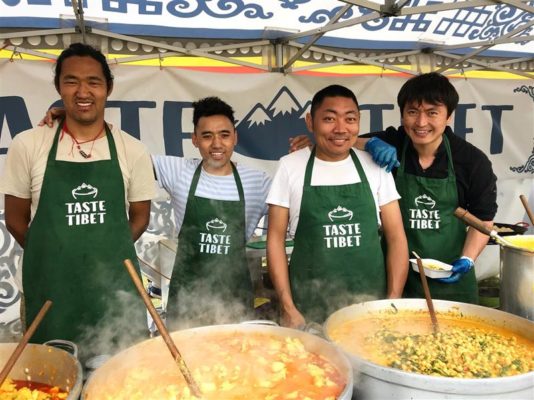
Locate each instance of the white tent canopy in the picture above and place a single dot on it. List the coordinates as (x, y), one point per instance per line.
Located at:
(290, 35)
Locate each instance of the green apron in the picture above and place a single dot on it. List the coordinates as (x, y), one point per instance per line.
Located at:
(75, 248)
(337, 258)
(432, 230)
(210, 262)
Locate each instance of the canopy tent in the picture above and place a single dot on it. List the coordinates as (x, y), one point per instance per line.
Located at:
(286, 36)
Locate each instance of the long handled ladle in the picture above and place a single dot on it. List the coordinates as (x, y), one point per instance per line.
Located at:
(476, 223)
(163, 330)
(527, 208)
(24, 341)
(429, 302)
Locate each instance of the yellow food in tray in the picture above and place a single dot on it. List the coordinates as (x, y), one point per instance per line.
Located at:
(464, 347)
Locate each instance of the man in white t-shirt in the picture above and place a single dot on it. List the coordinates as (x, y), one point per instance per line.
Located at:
(334, 200)
(217, 206)
(77, 195)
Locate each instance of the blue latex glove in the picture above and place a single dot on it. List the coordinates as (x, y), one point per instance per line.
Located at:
(383, 154)
(460, 267)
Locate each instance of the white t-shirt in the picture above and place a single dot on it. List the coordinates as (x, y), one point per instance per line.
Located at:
(26, 159)
(174, 174)
(286, 189)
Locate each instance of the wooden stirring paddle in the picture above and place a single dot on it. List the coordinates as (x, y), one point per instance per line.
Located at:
(24, 341)
(429, 302)
(163, 330)
(527, 208)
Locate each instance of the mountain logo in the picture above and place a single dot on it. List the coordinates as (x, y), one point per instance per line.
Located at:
(425, 201)
(84, 191)
(264, 132)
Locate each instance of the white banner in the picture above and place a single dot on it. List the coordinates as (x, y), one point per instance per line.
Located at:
(254, 19)
(155, 105)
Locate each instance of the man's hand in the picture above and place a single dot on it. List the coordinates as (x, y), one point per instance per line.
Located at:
(460, 267)
(292, 319)
(383, 154)
(51, 115)
(299, 142)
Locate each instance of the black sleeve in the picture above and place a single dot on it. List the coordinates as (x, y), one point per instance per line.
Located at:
(479, 186)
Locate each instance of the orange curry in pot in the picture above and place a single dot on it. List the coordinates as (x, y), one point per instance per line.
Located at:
(28, 390)
(225, 365)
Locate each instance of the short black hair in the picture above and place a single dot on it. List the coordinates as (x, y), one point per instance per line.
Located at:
(432, 88)
(331, 91)
(209, 106)
(83, 50)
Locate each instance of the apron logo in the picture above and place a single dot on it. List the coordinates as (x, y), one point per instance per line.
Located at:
(214, 241)
(424, 216)
(340, 234)
(340, 214)
(424, 201)
(85, 211)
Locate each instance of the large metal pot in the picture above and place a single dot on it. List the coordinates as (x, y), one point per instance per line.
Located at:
(45, 364)
(377, 382)
(517, 277)
(108, 374)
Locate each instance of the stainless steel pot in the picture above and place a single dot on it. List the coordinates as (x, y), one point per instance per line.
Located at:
(377, 382)
(517, 278)
(45, 364)
(109, 375)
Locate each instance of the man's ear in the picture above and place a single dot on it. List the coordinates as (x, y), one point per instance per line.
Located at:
(194, 139)
(236, 138)
(110, 88)
(309, 122)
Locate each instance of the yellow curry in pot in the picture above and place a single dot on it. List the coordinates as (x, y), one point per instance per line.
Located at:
(464, 347)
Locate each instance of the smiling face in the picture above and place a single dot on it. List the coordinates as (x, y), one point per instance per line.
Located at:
(425, 124)
(335, 125)
(84, 91)
(215, 137)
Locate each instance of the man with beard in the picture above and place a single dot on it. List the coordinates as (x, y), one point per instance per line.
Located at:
(217, 205)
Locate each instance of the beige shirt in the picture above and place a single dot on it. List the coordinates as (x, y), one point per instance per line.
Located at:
(25, 163)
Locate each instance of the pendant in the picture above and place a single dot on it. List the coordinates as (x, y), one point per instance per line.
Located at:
(84, 154)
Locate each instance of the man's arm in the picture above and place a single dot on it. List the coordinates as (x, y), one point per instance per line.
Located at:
(138, 217)
(278, 268)
(475, 241)
(18, 214)
(397, 248)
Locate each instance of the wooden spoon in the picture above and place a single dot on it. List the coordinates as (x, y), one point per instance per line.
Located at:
(163, 330)
(527, 208)
(24, 341)
(479, 225)
(429, 302)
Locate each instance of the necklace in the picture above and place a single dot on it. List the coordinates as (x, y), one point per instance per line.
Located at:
(78, 144)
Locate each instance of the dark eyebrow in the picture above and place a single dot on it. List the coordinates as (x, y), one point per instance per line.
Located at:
(348, 112)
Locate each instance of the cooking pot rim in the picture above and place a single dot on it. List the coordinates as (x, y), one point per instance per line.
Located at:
(76, 387)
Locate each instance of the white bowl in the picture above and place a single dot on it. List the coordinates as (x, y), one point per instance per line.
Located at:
(433, 268)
